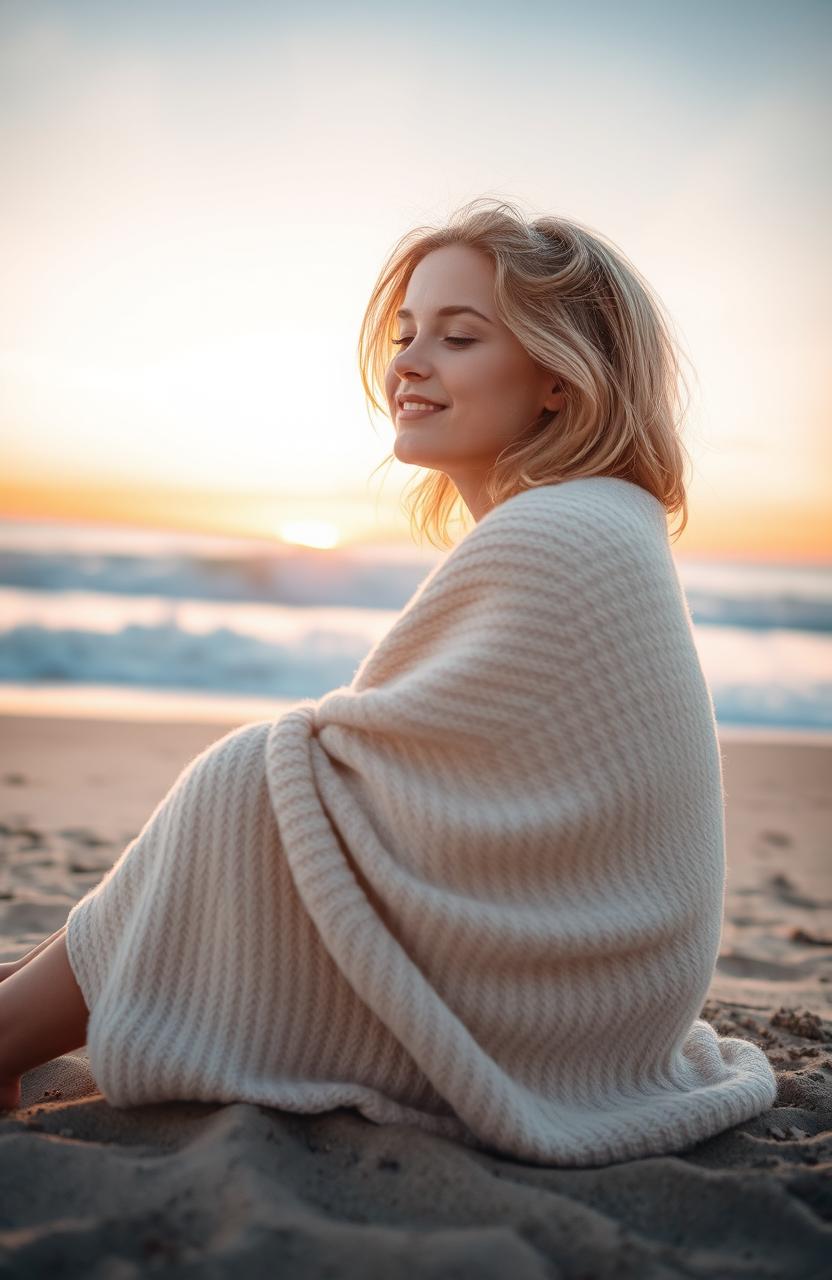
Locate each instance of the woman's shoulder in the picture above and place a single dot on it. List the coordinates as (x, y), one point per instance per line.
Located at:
(583, 493)
(585, 515)
(598, 531)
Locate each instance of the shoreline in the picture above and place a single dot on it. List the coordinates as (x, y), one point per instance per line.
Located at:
(114, 704)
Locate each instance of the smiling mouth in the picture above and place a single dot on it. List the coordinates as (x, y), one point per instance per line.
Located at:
(423, 411)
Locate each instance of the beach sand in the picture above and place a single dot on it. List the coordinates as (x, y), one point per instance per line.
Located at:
(210, 1190)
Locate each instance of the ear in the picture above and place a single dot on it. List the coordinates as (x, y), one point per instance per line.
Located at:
(556, 399)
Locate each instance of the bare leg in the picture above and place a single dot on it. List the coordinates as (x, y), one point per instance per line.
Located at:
(12, 966)
(42, 1015)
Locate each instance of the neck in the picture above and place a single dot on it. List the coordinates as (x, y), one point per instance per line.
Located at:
(472, 491)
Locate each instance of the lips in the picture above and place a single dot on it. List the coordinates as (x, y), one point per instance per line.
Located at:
(415, 399)
(420, 409)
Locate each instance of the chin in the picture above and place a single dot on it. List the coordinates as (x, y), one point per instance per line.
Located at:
(408, 451)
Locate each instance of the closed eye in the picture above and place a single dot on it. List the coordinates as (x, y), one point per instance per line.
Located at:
(399, 342)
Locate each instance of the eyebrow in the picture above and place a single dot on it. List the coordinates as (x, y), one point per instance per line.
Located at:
(445, 311)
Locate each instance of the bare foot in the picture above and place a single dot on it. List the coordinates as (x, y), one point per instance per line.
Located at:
(10, 1094)
(6, 970)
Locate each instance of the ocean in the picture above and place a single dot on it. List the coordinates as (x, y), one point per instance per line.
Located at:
(139, 623)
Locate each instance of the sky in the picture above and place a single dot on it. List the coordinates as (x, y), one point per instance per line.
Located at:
(197, 199)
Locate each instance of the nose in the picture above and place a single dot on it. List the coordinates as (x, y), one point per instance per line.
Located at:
(409, 363)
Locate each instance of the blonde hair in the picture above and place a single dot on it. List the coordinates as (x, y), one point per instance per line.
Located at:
(580, 309)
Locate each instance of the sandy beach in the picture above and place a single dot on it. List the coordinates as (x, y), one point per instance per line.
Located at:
(199, 1189)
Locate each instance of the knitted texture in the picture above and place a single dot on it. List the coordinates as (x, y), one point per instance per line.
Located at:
(478, 890)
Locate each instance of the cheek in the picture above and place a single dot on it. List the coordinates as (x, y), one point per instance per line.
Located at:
(494, 387)
(476, 369)
(510, 377)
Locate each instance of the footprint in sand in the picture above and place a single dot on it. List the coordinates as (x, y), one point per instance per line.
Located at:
(84, 836)
(809, 939)
(736, 965)
(785, 890)
(779, 839)
(18, 829)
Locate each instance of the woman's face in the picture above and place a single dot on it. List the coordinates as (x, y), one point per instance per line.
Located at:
(489, 387)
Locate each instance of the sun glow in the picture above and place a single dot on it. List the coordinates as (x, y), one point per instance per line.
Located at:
(310, 533)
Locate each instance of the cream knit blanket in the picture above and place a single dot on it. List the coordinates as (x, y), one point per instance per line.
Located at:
(478, 890)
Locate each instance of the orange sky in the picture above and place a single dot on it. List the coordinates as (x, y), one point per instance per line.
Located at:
(794, 534)
(197, 201)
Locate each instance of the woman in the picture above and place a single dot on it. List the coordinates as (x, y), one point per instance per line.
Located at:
(479, 890)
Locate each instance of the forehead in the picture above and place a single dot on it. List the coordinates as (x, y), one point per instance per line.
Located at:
(453, 274)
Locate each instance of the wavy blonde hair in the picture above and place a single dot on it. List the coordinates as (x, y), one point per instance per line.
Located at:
(581, 310)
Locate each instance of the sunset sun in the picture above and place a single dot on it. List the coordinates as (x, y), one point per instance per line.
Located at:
(310, 533)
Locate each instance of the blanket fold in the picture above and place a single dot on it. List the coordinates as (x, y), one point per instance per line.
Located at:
(478, 890)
